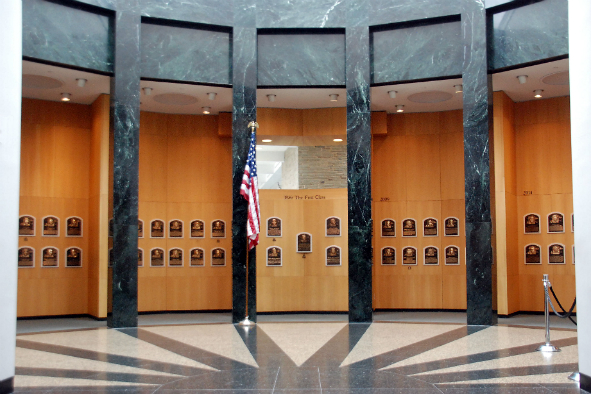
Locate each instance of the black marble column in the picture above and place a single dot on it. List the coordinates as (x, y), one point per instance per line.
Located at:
(359, 161)
(477, 124)
(125, 111)
(244, 82)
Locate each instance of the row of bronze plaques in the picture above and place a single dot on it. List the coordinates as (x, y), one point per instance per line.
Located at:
(50, 226)
(430, 255)
(531, 223)
(176, 257)
(332, 256)
(332, 227)
(430, 227)
(49, 257)
(176, 228)
(555, 255)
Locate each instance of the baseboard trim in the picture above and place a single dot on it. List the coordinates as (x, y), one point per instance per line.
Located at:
(7, 386)
(585, 382)
(417, 310)
(62, 317)
(302, 313)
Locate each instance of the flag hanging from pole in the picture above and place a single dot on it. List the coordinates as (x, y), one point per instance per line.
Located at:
(250, 191)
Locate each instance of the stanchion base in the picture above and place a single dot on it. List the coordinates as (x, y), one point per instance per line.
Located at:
(548, 348)
(575, 376)
(246, 322)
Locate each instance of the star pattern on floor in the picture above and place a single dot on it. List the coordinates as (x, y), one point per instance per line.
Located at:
(303, 357)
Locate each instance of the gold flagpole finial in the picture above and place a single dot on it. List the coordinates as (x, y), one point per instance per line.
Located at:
(253, 126)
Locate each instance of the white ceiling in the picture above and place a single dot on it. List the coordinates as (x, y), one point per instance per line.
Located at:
(294, 98)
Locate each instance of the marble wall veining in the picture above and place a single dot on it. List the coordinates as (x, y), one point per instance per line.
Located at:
(212, 12)
(107, 4)
(418, 52)
(394, 11)
(67, 35)
(185, 54)
(530, 33)
(301, 59)
(301, 13)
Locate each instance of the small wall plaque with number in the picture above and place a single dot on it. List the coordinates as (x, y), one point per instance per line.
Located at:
(531, 223)
(388, 256)
(157, 228)
(431, 255)
(197, 257)
(157, 257)
(273, 227)
(556, 254)
(452, 255)
(175, 257)
(304, 243)
(73, 257)
(409, 256)
(274, 258)
(26, 257)
(452, 227)
(197, 229)
(218, 257)
(430, 227)
(556, 222)
(333, 256)
(51, 227)
(533, 254)
(388, 228)
(218, 229)
(175, 228)
(26, 226)
(409, 228)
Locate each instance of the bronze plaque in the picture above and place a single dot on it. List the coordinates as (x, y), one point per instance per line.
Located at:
(73, 257)
(573, 254)
(273, 227)
(409, 228)
(333, 255)
(388, 256)
(532, 223)
(175, 229)
(555, 223)
(452, 255)
(388, 228)
(74, 227)
(50, 257)
(157, 229)
(140, 228)
(175, 257)
(140, 257)
(274, 256)
(111, 227)
(430, 227)
(111, 258)
(431, 255)
(26, 226)
(304, 243)
(197, 259)
(409, 256)
(572, 222)
(532, 254)
(452, 227)
(50, 226)
(218, 230)
(556, 254)
(218, 257)
(197, 229)
(26, 257)
(333, 227)
(157, 257)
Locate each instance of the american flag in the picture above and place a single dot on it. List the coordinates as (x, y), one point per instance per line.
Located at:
(250, 191)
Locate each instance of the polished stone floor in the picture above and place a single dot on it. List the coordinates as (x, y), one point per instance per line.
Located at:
(295, 357)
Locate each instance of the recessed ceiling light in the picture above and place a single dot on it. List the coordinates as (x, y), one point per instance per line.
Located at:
(538, 93)
(333, 97)
(522, 79)
(267, 140)
(211, 95)
(81, 82)
(459, 88)
(66, 96)
(338, 140)
(206, 110)
(271, 97)
(392, 94)
(400, 108)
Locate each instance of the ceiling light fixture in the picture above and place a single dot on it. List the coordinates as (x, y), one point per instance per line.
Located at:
(81, 82)
(267, 140)
(271, 97)
(206, 110)
(400, 108)
(522, 79)
(211, 95)
(338, 140)
(459, 88)
(66, 96)
(392, 94)
(333, 97)
(538, 93)
(147, 91)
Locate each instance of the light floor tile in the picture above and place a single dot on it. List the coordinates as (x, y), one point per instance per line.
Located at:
(551, 378)
(220, 339)
(301, 340)
(381, 338)
(43, 381)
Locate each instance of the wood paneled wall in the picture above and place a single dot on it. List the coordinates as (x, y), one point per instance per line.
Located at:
(55, 151)
(418, 172)
(186, 174)
(304, 282)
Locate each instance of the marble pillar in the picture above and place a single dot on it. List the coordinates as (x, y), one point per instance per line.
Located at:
(10, 151)
(125, 122)
(244, 86)
(477, 123)
(579, 12)
(357, 70)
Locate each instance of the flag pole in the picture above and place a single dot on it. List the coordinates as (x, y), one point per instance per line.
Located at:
(253, 126)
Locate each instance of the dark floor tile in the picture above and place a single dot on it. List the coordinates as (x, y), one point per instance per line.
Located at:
(95, 390)
(359, 378)
(297, 378)
(243, 379)
(495, 389)
(380, 391)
